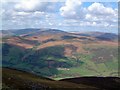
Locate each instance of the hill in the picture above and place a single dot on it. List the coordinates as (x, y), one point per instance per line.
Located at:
(17, 79)
(107, 83)
(58, 54)
(29, 32)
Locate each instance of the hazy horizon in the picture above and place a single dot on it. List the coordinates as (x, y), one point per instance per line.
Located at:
(79, 31)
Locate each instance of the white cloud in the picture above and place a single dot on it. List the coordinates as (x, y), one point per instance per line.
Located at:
(27, 5)
(48, 14)
(50, 24)
(96, 14)
(22, 13)
(103, 16)
(72, 9)
(34, 5)
(100, 9)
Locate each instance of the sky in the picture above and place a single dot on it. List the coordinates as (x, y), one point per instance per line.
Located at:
(67, 15)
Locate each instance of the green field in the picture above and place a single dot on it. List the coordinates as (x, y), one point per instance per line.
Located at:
(93, 68)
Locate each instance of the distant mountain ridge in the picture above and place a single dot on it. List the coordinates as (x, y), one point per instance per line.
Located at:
(101, 35)
(35, 32)
(29, 31)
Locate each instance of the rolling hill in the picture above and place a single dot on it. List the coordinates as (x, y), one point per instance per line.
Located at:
(30, 32)
(58, 54)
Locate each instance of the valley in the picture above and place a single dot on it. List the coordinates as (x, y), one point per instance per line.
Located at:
(59, 54)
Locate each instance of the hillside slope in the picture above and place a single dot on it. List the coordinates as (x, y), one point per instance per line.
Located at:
(108, 83)
(58, 54)
(16, 79)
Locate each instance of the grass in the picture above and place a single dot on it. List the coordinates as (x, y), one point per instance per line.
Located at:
(112, 65)
(91, 68)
